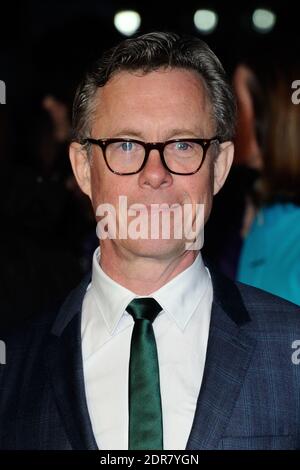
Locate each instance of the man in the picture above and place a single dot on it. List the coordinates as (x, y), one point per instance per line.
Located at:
(154, 350)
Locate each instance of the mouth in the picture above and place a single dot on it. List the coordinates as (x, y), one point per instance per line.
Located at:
(160, 207)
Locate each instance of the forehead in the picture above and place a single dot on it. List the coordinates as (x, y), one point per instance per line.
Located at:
(166, 97)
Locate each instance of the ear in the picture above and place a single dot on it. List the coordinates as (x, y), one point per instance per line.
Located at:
(81, 167)
(222, 164)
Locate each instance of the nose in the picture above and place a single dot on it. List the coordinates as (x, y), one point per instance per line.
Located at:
(154, 174)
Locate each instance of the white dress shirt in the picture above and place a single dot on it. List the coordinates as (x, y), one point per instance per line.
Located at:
(181, 331)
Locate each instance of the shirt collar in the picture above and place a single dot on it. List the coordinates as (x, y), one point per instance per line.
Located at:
(111, 298)
(179, 298)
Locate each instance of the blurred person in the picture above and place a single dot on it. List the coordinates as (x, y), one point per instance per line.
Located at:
(154, 350)
(226, 225)
(82, 235)
(270, 255)
(41, 243)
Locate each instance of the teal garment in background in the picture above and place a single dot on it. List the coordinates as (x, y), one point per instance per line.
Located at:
(270, 256)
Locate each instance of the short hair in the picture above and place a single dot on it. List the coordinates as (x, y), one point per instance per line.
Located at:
(151, 52)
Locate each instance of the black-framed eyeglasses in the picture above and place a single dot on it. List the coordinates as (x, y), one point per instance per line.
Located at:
(129, 156)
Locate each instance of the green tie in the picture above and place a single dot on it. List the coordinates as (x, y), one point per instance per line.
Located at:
(145, 415)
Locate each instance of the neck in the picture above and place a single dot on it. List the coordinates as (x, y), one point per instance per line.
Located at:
(143, 274)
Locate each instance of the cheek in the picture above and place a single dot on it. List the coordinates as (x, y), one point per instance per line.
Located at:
(96, 187)
(99, 185)
(107, 187)
(201, 189)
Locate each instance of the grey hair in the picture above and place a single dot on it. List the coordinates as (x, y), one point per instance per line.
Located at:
(150, 52)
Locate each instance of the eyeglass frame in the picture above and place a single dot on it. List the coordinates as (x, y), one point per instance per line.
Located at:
(148, 146)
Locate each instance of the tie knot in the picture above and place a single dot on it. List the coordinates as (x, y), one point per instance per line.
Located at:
(144, 308)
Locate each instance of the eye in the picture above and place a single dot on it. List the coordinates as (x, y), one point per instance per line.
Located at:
(182, 145)
(127, 146)
(183, 149)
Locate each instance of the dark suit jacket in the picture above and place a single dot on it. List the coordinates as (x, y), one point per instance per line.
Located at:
(250, 393)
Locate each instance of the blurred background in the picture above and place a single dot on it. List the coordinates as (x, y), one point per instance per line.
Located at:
(47, 230)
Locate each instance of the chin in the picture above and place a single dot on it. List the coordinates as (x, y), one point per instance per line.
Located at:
(160, 249)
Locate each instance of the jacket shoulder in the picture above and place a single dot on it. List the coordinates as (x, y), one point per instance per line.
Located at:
(269, 311)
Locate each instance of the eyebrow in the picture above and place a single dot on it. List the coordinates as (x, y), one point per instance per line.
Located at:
(170, 134)
(127, 132)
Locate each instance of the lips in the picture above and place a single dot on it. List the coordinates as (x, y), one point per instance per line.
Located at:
(159, 207)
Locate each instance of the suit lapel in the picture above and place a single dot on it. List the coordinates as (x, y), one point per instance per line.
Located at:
(66, 370)
(229, 352)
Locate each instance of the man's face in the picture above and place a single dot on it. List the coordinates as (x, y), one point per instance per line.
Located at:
(152, 107)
